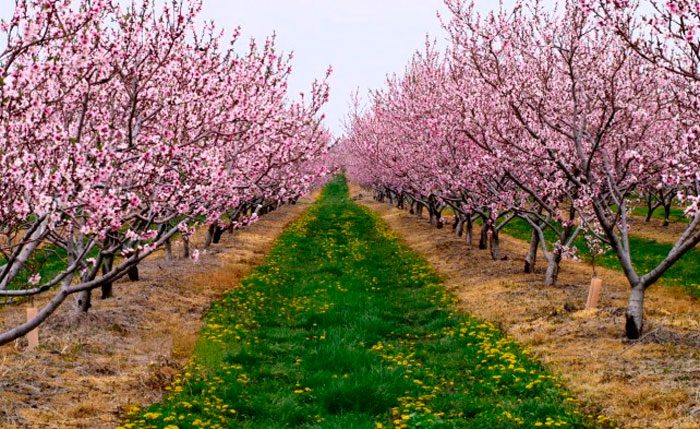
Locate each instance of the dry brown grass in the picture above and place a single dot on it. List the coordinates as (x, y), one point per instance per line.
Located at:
(648, 384)
(655, 229)
(127, 349)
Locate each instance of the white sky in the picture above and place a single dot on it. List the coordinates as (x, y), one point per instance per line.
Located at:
(364, 40)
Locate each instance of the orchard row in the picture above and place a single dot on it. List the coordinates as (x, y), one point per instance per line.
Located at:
(566, 118)
(122, 126)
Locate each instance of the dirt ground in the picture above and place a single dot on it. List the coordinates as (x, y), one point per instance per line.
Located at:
(89, 369)
(655, 230)
(652, 383)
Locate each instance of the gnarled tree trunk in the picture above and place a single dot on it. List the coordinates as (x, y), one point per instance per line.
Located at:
(168, 245)
(459, 225)
(218, 232)
(133, 273)
(531, 258)
(84, 301)
(107, 265)
(494, 244)
(470, 231)
(635, 313)
(552, 273)
(484, 236)
(210, 235)
(185, 247)
(667, 214)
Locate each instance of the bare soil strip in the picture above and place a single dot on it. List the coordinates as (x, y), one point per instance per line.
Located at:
(90, 369)
(653, 383)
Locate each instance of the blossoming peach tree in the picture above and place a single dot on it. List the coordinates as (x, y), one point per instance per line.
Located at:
(122, 126)
(548, 116)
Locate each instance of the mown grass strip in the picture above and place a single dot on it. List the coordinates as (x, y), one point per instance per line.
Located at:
(344, 327)
(646, 255)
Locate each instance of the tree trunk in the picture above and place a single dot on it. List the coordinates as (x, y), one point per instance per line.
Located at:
(419, 210)
(217, 234)
(635, 313)
(484, 236)
(495, 245)
(210, 235)
(550, 277)
(185, 247)
(470, 231)
(459, 226)
(667, 214)
(133, 273)
(107, 266)
(84, 301)
(650, 209)
(531, 258)
(440, 221)
(168, 245)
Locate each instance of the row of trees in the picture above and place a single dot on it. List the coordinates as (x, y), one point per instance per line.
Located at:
(122, 126)
(565, 118)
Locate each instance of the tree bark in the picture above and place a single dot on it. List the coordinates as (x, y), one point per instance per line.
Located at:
(667, 214)
(531, 258)
(168, 245)
(484, 236)
(84, 301)
(133, 273)
(635, 313)
(217, 234)
(185, 247)
(459, 225)
(470, 231)
(550, 277)
(650, 209)
(107, 290)
(210, 235)
(495, 245)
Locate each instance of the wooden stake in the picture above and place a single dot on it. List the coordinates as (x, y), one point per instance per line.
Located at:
(32, 336)
(594, 293)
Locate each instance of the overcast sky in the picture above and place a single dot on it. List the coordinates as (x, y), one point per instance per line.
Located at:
(363, 40)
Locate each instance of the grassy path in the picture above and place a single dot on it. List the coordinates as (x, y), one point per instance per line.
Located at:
(344, 327)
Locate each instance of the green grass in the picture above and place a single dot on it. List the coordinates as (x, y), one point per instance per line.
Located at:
(344, 327)
(646, 254)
